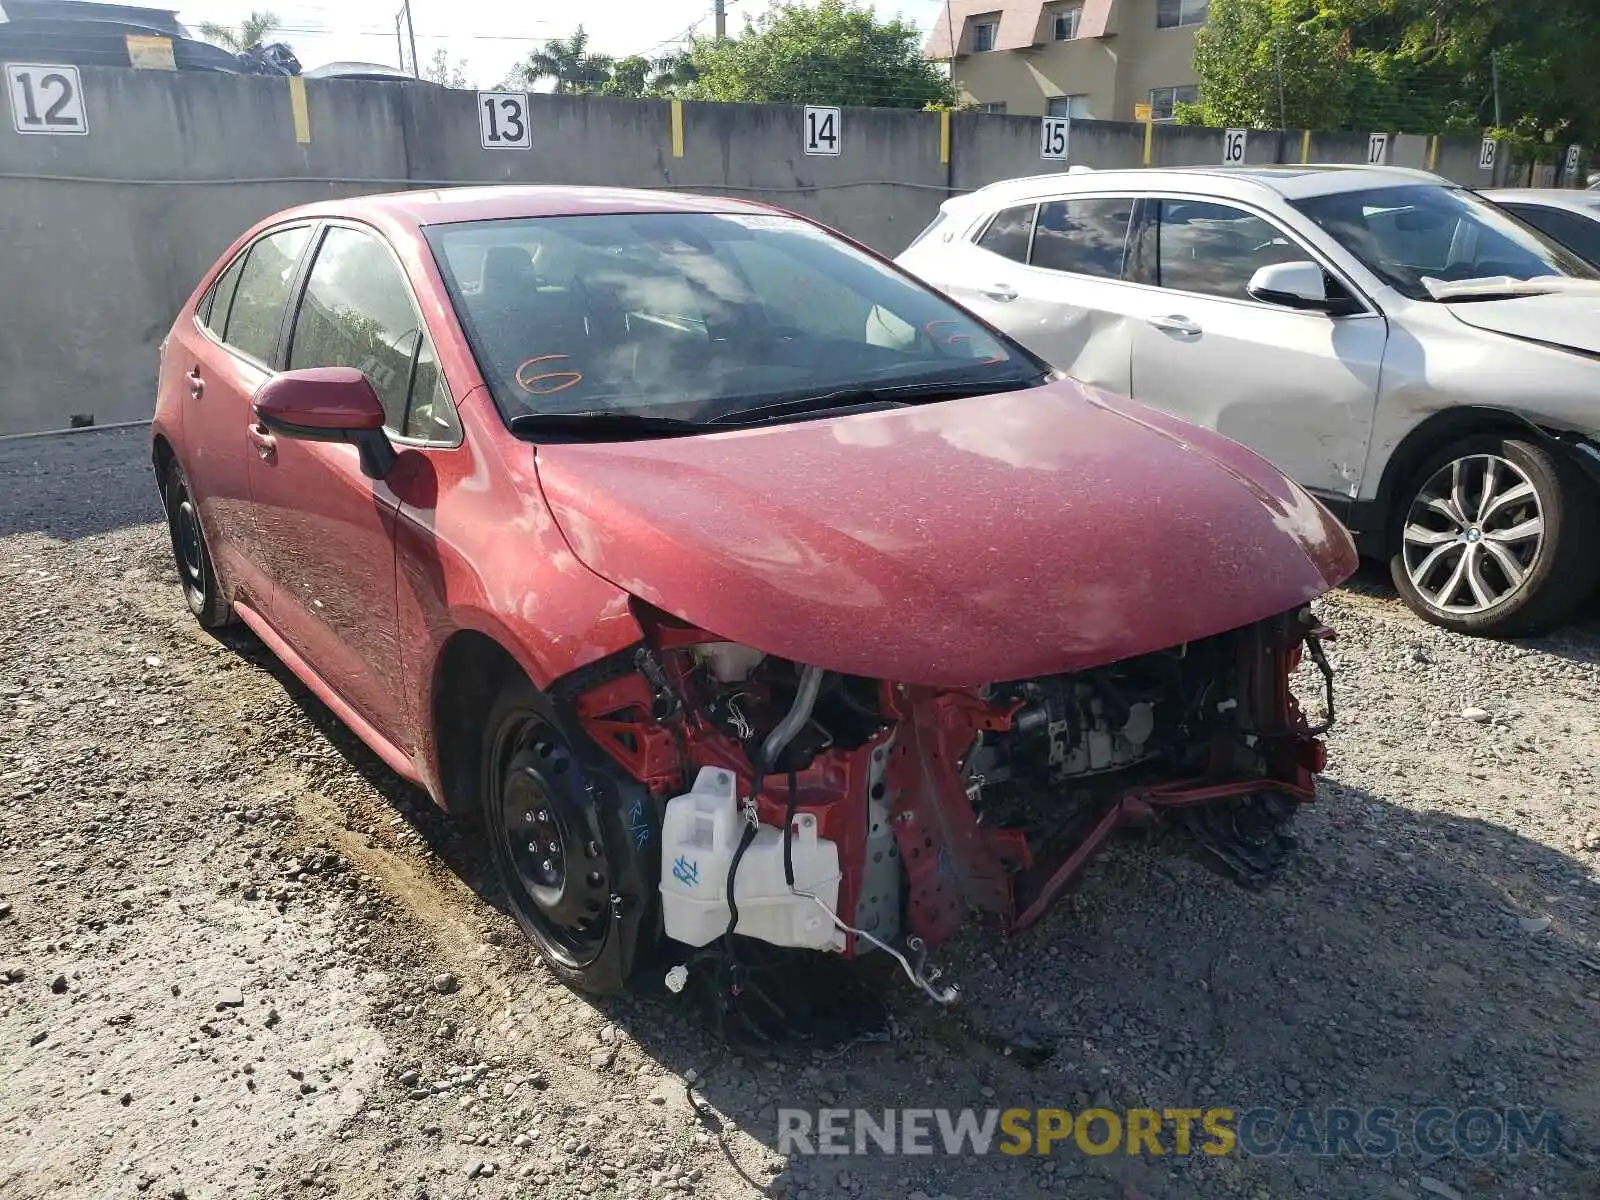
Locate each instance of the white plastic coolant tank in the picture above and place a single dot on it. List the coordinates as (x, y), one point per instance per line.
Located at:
(699, 837)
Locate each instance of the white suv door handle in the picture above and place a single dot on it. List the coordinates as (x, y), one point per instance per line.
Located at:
(1000, 291)
(1176, 324)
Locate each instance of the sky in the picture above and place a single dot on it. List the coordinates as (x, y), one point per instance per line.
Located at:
(489, 36)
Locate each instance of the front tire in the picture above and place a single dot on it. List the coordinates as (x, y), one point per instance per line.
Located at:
(1495, 538)
(574, 866)
(190, 553)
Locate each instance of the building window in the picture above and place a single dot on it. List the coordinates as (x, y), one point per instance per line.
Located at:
(1164, 101)
(983, 36)
(1174, 14)
(998, 108)
(1076, 107)
(1064, 23)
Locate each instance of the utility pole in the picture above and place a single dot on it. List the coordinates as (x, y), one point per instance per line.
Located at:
(1494, 71)
(1283, 107)
(411, 33)
(720, 13)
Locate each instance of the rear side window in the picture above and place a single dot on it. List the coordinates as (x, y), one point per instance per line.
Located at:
(1009, 232)
(256, 314)
(358, 312)
(1087, 236)
(214, 308)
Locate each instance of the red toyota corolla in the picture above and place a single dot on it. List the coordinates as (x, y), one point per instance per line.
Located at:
(709, 556)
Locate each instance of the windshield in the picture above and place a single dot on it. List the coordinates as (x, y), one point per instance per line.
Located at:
(699, 315)
(1408, 234)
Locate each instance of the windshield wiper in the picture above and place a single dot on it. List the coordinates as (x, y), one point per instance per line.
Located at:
(604, 424)
(939, 389)
(1502, 287)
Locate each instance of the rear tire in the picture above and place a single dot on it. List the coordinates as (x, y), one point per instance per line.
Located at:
(190, 553)
(575, 867)
(1495, 538)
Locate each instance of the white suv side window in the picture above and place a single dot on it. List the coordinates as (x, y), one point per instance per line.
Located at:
(1212, 248)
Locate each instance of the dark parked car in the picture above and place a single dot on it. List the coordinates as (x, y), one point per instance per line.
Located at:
(1570, 217)
(746, 587)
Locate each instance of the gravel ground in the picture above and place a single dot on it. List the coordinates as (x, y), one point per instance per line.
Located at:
(240, 958)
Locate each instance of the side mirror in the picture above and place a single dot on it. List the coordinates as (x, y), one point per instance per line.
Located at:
(329, 404)
(1293, 285)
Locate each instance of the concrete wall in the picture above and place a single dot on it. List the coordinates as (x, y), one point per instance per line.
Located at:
(103, 237)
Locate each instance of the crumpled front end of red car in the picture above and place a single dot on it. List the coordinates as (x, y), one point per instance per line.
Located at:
(853, 815)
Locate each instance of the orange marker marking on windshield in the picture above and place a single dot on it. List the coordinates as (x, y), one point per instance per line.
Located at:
(534, 385)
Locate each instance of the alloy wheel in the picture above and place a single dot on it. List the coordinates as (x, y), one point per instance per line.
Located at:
(555, 871)
(1473, 535)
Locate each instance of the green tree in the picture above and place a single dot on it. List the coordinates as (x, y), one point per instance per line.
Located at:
(638, 76)
(1270, 64)
(440, 71)
(252, 31)
(835, 52)
(570, 62)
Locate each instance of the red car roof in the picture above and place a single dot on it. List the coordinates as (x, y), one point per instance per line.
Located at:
(440, 206)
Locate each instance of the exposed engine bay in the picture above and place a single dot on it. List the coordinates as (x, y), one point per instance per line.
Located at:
(806, 808)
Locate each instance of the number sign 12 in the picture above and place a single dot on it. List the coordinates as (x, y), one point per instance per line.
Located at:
(824, 130)
(45, 98)
(503, 121)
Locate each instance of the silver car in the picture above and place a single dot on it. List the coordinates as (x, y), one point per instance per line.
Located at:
(1570, 217)
(1424, 363)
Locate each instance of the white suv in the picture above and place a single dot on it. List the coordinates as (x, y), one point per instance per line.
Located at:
(1423, 362)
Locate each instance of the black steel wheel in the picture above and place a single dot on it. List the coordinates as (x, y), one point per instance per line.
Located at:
(573, 877)
(191, 555)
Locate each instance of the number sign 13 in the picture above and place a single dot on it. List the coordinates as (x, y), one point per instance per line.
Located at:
(45, 98)
(503, 121)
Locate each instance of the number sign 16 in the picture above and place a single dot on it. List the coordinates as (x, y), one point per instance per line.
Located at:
(45, 99)
(1233, 144)
(824, 130)
(503, 121)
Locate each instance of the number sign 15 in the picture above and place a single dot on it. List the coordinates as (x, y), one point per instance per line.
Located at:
(1055, 133)
(503, 121)
(824, 130)
(45, 99)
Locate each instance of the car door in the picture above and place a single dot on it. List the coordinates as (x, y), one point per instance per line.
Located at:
(220, 362)
(1049, 273)
(328, 531)
(1298, 387)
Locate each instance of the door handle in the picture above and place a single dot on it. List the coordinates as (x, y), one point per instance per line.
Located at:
(266, 445)
(197, 386)
(1176, 324)
(1002, 292)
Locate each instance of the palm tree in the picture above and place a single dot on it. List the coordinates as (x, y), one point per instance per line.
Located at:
(252, 31)
(569, 62)
(638, 76)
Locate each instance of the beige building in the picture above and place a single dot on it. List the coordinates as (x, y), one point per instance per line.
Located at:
(1094, 59)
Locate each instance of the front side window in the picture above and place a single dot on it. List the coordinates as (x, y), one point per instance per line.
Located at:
(698, 315)
(1415, 233)
(1215, 249)
(983, 36)
(357, 312)
(256, 314)
(1087, 236)
(1009, 233)
(1173, 14)
(1164, 101)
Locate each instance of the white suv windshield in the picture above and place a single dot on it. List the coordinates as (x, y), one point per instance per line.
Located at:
(1409, 234)
(698, 315)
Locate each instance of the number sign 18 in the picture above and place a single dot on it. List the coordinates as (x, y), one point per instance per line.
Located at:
(824, 130)
(1486, 154)
(45, 99)
(503, 121)
(1054, 135)
(1574, 158)
(1233, 144)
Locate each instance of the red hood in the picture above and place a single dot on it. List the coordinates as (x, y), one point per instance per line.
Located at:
(973, 541)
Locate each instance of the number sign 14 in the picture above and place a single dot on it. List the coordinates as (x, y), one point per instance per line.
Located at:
(45, 98)
(824, 130)
(503, 121)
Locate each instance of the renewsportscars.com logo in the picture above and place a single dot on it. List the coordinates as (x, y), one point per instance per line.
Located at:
(1251, 1133)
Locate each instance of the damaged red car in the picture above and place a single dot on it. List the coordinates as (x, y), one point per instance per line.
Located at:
(709, 557)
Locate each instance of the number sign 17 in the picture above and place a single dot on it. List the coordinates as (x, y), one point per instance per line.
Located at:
(503, 121)
(824, 130)
(45, 98)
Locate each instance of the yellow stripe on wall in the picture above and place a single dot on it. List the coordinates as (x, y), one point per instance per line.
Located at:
(1149, 140)
(1433, 153)
(1305, 146)
(677, 129)
(297, 105)
(944, 136)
